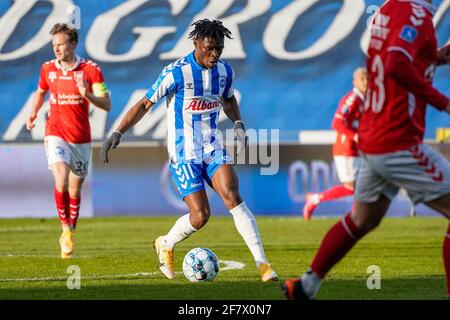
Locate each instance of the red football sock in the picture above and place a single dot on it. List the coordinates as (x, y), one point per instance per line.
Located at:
(62, 205)
(447, 258)
(74, 211)
(336, 192)
(337, 242)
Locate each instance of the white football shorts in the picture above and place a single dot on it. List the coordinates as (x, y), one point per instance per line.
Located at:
(346, 168)
(75, 155)
(422, 171)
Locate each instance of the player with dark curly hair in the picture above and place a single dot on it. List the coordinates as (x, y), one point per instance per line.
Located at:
(196, 88)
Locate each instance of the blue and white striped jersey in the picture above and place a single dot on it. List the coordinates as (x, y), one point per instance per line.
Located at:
(194, 96)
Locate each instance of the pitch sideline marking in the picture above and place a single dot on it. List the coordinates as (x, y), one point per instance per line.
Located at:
(229, 265)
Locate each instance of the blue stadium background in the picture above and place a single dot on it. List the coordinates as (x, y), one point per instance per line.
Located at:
(276, 93)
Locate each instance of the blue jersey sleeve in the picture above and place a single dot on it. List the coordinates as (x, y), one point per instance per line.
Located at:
(164, 85)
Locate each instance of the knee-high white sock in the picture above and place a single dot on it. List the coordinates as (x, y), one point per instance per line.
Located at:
(246, 225)
(181, 230)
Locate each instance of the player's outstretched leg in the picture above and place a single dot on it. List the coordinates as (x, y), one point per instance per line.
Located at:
(65, 240)
(60, 172)
(314, 199)
(164, 245)
(225, 182)
(337, 242)
(293, 289)
(74, 211)
(335, 245)
(198, 216)
(246, 225)
(75, 186)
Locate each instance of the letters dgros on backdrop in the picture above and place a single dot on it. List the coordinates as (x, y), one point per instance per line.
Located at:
(293, 62)
(292, 58)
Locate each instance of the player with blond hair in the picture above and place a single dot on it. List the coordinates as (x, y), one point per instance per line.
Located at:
(73, 83)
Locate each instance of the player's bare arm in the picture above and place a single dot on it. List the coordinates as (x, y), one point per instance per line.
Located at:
(133, 116)
(38, 101)
(99, 99)
(231, 109)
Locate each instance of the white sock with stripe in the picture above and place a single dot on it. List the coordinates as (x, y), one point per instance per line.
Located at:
(246, 225)
(181, 230)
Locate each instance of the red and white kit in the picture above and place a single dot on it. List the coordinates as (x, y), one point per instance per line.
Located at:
(401, 61)
(68, 132)
(393, 122)
(345, 122)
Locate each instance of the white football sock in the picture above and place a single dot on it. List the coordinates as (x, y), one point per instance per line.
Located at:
(181, 230)
(311, 283)
(315, 198)
(246, 225)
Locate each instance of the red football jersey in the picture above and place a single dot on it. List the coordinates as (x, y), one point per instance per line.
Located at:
(69, 112)
(394, 117)
(345, 122)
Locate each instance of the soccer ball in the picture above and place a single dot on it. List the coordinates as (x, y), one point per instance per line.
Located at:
(200, 265)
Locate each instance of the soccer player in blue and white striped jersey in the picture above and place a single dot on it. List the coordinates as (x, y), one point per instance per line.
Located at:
(196, 88)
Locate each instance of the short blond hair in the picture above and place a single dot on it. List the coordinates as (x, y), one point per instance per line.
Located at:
(64, 28)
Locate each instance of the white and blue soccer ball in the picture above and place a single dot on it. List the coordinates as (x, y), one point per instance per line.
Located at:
(200, 265)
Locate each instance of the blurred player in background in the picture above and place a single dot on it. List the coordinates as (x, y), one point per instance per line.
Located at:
(345, 149)
(73, 83)
(196, 88)
(401, 62)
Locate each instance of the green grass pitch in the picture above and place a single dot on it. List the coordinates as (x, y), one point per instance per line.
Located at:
(116, 259)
